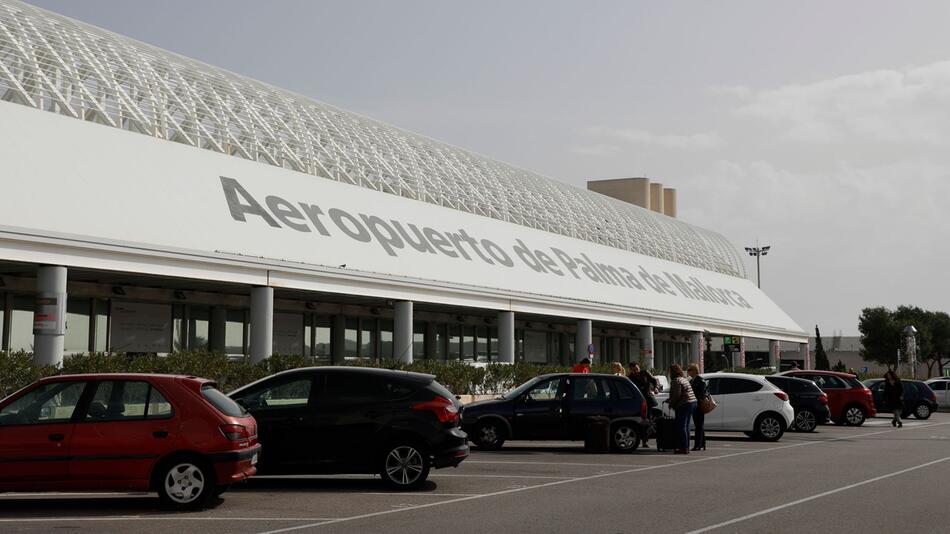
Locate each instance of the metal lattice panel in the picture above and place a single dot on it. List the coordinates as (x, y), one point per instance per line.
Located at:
(57, 64)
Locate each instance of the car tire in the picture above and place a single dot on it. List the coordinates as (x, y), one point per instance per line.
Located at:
(751, 434)
(769, 427)
(489, 435)
(218, 491)
(404, 465)
(805, 421)
(922, 411)
(624, 437)
(185, 483)
(854, 415)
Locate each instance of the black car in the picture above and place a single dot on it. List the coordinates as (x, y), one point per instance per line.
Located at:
(559, 406)
(919, 399)
(330, 420)
(808, 400)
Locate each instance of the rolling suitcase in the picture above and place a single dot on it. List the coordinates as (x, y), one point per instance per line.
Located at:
(597, 438)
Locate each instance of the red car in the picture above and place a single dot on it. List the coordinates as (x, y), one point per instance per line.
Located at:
(849, 401)
(177, 435)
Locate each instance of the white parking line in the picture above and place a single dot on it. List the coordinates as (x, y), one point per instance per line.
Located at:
(585, 478)
(813, 497)
(495, 476)
(469, 462)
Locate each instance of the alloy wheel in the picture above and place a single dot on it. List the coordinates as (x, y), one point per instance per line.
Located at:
(922, 411)
(806, 421)
(625, 437)
(770, 428)
(404, 465)
(854, 416)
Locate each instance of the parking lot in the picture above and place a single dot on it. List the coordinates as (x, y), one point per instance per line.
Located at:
(873, 478)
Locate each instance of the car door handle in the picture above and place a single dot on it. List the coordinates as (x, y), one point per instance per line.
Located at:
(57, 437)
(160, 434)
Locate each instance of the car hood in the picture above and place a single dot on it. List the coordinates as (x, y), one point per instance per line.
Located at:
(486, 405)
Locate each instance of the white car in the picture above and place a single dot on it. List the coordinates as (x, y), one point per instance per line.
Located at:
(941, 388)
(746, 403)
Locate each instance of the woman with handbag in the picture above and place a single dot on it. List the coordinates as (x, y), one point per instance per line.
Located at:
(683, 401)
(699, 417)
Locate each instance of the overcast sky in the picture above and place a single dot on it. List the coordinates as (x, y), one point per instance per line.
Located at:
(819, 128)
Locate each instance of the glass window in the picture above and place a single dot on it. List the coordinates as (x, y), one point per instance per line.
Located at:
(368, 338)
(352, 388)
(546, 390)
(21, 324)
(3, 299)
(440, 340)
(626, 389)
(828, 382)
(350, 339)
(222, 402)
(321, 342)
(198, 328)
(588, 389)
(455, 341)
(234, 332)
(729, 386)
(481, 343)
(49, 403)
(493, 344)
(158, 406)
(418, 340)
(468, 343)
(77, 326)
(284, 393)
(116, 400)
(940, 385)
(535, 346)
(386, 340)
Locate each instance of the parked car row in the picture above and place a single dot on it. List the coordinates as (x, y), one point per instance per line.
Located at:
(183, 438)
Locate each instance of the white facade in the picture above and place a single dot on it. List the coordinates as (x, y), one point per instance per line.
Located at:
(342, 206)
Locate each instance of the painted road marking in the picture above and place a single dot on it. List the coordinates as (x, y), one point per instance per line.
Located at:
(579, 479)
(816, 496)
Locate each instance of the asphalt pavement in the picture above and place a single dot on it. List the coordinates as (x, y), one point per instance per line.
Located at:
(838, 479)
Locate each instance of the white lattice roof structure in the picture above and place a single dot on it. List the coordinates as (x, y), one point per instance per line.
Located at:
(57, 64)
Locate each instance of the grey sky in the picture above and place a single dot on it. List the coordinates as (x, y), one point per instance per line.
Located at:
(821, 128)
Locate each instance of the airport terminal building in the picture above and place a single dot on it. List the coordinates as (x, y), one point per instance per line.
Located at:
(153, 203)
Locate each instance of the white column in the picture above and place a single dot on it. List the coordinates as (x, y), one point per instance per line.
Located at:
(49, 315)
(805, 355)
(583, 339)
(262, 323)
(696, 349)
(742, 352)
(775, 353)
(646, 347)
(506, 337)
(402, 331)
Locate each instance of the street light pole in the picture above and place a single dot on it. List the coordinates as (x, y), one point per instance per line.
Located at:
(758, 252)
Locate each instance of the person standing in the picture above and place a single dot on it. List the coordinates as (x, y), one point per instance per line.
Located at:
(683, 401)
(699, 417)
(582, 367)
(617, 369)
(894, 396)
(648, 387)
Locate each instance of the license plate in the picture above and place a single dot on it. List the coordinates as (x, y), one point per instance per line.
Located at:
(254, 459)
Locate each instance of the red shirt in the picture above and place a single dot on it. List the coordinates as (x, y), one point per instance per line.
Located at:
(581, 368)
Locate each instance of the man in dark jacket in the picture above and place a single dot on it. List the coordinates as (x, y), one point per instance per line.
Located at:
(648, 386)
(894, 396)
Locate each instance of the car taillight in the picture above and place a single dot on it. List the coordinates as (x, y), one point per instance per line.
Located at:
(823, 398)
(781, 394)
(643, 410)
(444, 409)
(933, 397)
(235, 432)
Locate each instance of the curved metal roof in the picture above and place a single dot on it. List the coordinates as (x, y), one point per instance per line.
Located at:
(58, 64)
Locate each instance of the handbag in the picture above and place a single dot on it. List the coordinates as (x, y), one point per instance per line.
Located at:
(708, 404)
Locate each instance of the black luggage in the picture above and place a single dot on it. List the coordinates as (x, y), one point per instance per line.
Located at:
(597, 438)
(666, 438)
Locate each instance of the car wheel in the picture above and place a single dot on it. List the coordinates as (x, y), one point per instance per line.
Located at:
(922, 411)
(185, 484)
(806, 421)
(769, 427)
(405, 466)
(489, 435)
(624, 437)
(854, 415)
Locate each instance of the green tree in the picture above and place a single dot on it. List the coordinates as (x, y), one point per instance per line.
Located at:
(880, 336)
(821, 358)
